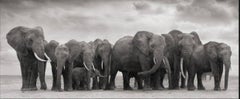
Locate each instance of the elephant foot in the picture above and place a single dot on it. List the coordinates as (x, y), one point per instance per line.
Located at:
(157, 88)
(68, 89)
(191, 88)
(43, 87)
(95, 88)
(53, 88)
(201, 88)
(217, 89)
(28, 89)
(147, 88)
(128, 88)
(111, 88)
(140, 87)
(183, 86)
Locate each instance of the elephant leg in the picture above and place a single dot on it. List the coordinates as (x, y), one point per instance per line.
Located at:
(112, 78)
(191, 81)
(191, 75)
(145, 65)
(34, 76)
(135, 82)
(138, 81)
(65, 78)
(162, 75)
(156, 81)
(176, 72)
(41, 71)
(95, 83)
(87, 83)
(69, 68)
(215, 70)
(199, 78)
(126, 79)
(23, 72)
(54, 75)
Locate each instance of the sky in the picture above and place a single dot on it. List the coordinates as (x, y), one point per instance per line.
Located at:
(87, 20)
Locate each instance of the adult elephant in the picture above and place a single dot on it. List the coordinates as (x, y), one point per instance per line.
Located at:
(102, 61)
(142, 53)
(210, 57)
(50, 52)
(29, 45)
(182, 47)
(66, 54)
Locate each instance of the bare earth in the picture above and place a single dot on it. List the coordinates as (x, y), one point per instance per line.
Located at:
(10, 88)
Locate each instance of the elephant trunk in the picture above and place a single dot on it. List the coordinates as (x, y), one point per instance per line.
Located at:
(157, 61)
(227, 67)
(60, 66)
(168, 69)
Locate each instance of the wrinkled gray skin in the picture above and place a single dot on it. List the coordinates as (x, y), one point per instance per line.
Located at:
(66, 54)
(210, 57)
(50, 51)
(26, 42)
(182, 47)
(136, 54)
(79, 76)
(187, 44)
(102, 61)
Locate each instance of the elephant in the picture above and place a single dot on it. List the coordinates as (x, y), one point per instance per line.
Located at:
(66, 54)
(141, 54)
(50, 52)
(79, 75)
(29, 45)
(178, 55)
(102, 61)
(210, 57)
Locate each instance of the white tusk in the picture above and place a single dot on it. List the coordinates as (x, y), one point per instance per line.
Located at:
(85, 66)
(43, 60)
(154, 60)
(181, 66)
(93, 67)
(47, 57)
(102, 64)
(165, 64)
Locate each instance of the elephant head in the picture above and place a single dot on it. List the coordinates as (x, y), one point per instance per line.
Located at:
(151, 45)
(188, 42)
(50, 50)
(25, 40)
(219, 53)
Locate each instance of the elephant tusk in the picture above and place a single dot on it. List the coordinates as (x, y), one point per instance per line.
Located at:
(85, 66)
(93, 67)
(154, 60)
(165, 64)
(47, 57)
(43, 60)
(102, 64)
(181, 66)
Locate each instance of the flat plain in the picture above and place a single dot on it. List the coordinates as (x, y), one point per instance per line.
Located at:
(10, 88)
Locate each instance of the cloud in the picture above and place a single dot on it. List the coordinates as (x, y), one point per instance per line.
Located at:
(205, 11)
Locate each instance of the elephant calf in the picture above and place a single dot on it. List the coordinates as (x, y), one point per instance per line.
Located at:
(80, 77)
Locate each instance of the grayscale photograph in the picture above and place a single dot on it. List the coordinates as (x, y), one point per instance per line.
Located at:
(119, 49)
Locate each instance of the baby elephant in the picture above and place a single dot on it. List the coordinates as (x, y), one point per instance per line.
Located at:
(80, 77)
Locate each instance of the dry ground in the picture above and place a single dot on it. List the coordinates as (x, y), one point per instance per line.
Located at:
(10, 88)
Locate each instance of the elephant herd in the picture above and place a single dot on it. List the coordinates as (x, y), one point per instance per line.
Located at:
(145, 56)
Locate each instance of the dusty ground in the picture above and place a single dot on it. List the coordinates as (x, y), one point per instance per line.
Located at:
(10, 88)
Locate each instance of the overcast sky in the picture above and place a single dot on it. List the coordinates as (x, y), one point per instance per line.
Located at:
(86, 20)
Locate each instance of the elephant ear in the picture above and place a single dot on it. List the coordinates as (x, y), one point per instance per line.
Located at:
(196, 38)
(50, 49)
(141, 41)
(16, 38)
(39, 29)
